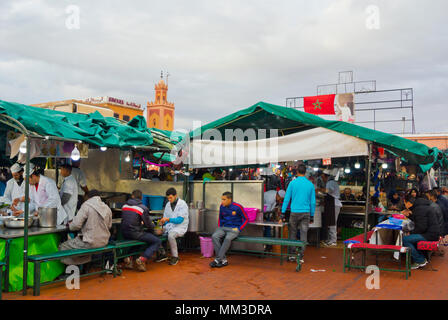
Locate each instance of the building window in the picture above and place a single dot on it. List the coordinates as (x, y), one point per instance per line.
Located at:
(154, 122)
(126, 118)
(116, 115)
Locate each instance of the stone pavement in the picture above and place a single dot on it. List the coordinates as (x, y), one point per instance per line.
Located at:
(255, 279)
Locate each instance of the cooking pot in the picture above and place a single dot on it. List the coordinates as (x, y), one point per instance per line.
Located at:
(17, 223)
(48, 217)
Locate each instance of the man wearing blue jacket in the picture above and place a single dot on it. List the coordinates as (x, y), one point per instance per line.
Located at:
(302, 196)
(232, 220)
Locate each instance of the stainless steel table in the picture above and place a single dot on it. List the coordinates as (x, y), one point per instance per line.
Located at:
(9, 233)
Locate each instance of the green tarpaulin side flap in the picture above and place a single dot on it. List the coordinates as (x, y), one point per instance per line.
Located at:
(174, 136)
(167, 157)
(263, 115)
(92, 128)
(47, 243)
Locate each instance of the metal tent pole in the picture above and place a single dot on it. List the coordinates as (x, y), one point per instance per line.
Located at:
(366, 215)
(27, 209)
(368, 173)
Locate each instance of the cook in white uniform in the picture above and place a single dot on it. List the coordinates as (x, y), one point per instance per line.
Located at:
(44, 194)
(332, 188)
(174, 221)
(69, 191)
(78, 174)
(271, 198)
(15, 189)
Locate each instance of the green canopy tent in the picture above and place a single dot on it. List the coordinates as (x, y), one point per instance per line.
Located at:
(301, 136)
(94, 129)
(288, 121)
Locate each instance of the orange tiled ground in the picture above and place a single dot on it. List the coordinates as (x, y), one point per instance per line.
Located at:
(254, 278)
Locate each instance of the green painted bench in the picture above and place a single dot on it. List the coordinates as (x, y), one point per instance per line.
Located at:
(116, 247)
(275, 241)
(2, 264)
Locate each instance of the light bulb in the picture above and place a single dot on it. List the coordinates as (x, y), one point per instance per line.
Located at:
(103, 148)
(347, 170)
(128, 158)
(384, 165)
(316, 169)
(76, 155)
(22, 147)
(357, 165)
(230, 169)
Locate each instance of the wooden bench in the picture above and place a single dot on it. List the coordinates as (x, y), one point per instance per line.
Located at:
(357, 242)
(2, 264)
(274, 241)
(115, 247)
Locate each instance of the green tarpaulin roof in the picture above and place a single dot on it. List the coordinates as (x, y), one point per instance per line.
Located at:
(263, 115)
(92, 128)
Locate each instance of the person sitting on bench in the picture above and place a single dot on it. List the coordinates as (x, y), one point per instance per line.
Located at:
(232, 220)
(426, 227)
(135, 215)
(175, 222)
(93, 220)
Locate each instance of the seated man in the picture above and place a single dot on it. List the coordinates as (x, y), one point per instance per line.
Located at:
(273, 201)
(426, 227)
(135, 216)
(69, 191)
(432, 196)
(232, 220)
(174, 222)
(93, 220)
(347, 195)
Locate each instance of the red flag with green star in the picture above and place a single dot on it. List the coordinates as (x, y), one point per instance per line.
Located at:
(323, 104)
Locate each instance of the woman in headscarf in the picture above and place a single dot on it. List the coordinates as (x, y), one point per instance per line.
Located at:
(394, 202)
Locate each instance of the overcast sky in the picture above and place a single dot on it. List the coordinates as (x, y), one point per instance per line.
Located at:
(223, 55)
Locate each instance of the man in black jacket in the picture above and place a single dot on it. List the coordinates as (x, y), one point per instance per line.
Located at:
(432, 196)
(135, 215)
(442, 201)
(426, 227)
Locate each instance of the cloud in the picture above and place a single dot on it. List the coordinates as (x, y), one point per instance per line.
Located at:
(222, 56)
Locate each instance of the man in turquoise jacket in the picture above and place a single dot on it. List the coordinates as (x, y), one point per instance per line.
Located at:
(302, 196)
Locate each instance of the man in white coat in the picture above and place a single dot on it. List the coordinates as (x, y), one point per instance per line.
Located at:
(174, 221)
(69, 191)
(15, 189)
(44, 194)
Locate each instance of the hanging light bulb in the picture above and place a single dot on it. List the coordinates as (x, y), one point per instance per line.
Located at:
(384, 165)
(316, 169)
(128, 157)
(357, 165)
(22, 147)
(76, 155)
(103, 148)
(347, 170)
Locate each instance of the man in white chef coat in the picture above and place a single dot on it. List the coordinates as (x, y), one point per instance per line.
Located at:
(44, 194)
(69, 191)
(80, 177)
(175, 222)
(15, 189)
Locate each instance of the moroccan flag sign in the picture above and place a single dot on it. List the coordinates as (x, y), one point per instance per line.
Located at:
(323, 104)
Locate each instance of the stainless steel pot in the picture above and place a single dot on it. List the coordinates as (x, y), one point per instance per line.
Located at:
(196, 220)
(48, 217)
(17, 223)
